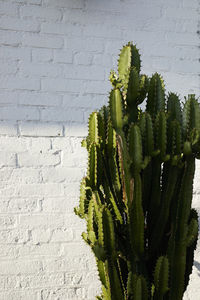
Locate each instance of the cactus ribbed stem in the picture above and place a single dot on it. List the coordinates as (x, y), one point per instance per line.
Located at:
(137, 195)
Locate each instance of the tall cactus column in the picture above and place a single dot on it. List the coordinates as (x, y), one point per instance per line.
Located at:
(137, 194)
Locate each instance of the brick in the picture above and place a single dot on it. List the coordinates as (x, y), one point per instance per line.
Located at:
(19, 295)
(93, 101)
(41, 221)
(7, 222)
(8, 128)
(180, 13)
(42, 41)
(40, 70)
(89, 44)
(40, 144)
(13, 144)
(63, 143)
(19, 24)
(100, 6)
(101, 30)
(42, 55)
(40, 235)
(5, 173)
(61, 29)
(19, 205)
(32, 98)
(62, 235)
(20, 267)
(63, 56)
(25, 175)
(44, 13)
(77, 249)
(62, 174)
(13, 236)
(97, 87)
(10, 38)
(14, 53)
(76, 130)
(8, 9)
(68, 293)
(40, 129)
(7, 283)
(84, 72)
(181, 38)
(29, 159)
(47, 250)
(19, 113)
(103, 60)
(19, 83)
(7, 159)
(74, 159)
(25, 190)
(83, 58)
(42, 280)
(35, 2)
(61, 85)
(58, 205)
(61, 115)
(67, 263)
(8, 67)
(8, 252)
(65, 4)
(186, 66)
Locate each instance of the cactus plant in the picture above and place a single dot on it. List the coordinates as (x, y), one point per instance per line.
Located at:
(136, 197)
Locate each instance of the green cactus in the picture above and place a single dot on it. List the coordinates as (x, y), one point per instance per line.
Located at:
(137, 194)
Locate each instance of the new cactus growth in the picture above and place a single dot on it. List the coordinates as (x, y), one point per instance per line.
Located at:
(136, 197)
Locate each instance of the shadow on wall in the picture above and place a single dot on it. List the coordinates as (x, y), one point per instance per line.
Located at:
(197, 265)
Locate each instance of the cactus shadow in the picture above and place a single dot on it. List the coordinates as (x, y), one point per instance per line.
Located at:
(197, 265)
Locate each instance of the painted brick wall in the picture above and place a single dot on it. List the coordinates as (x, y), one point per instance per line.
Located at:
(55, 58)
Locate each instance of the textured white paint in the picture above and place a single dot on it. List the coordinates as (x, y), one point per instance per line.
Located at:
(55, 58)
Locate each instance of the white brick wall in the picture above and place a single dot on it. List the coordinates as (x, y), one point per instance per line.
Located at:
(55, 58)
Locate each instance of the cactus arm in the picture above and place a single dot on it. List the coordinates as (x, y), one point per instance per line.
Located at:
(112, 159)
(116, 110)
(191, 115)
(178, 258)
(115, 209)
(132, 94)
(135, 148)
(191, 248)
(161, 277)
(156, 95)
(174, 108)
(133, 88)
(109, 242)
(124, 62)
(93, 128)
(165, 203)
(161, 135)
(137, 287)
(143, 88)
(90, 216)
(192, 232)
(129, 57)
(124, 164)
(80, 211)
(92, 166)
(155, 194)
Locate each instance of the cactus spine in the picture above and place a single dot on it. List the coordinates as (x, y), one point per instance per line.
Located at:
(137, 195)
